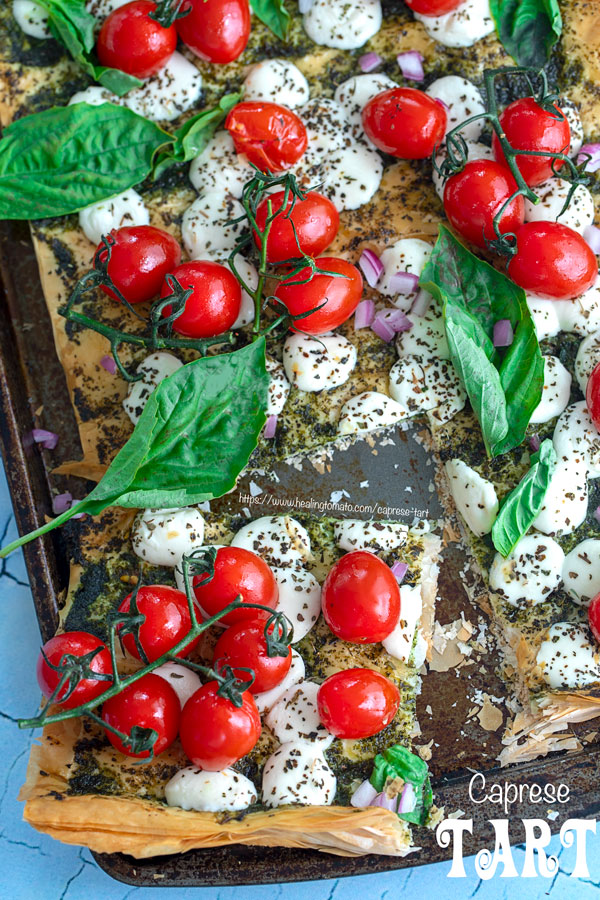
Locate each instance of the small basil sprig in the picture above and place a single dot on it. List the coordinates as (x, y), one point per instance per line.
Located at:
(74, 27)
(398, 762)
(528, 29)
(274, 14)
(193, 439)
(521, 507)
(504, 387)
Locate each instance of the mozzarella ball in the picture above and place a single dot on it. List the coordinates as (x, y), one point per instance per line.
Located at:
(170, 92)
(588, 357)
(464, 26)
(276, 81)
(352, 176)
(279, 387)
(530, 573)
(162, 537)
(193, 788)
(354, 534)
(567, 657)
(280, 540)
(555, 393)
(31, 19)
(576, 439)
(205, 228)
(266, 699)
(343, 24)
(94, 95)
(399, 643)
(474, 496)
(545, 316)
(426, 339)
(318, 364)
(299, 599)
(250, 275)
(355, 93)
(154, 369)
(184, 681)
(295, 716)
(581, 571)
(463, 100)
(298, 773)
(566, 500)
(421, 386)
(219, 168)
(406, 255)
(100, 218)
(552, 197)
(369, 411)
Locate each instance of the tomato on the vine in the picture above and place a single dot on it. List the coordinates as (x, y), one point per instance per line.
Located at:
(527, 126)
(215, 733)
(309, 228)
(592, 396)
(238, 573)
(405, 122)
(357, 703)
(75, 644)
(245, 645)
(214, 304)
(339, 294)
(133, 42)
(271, 136)
(361, 598)
(215, 30)
(433, 7)
(594, 616)
(552, 261)
(475, 195)
(140, 258)
(167, 621)
(150, 702)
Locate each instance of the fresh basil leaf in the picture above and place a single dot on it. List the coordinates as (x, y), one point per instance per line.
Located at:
(120, 83)
(524, 503)
(504, 387)
(398, 762)
(274, 14)
(62, 159)
(528, 29)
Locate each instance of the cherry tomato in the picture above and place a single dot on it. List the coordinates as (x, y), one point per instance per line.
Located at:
(357, 703)
(216, 30)
(529, 127)
(133, 42)
(167, 621)
(315, 219)
(215, 303)
(237, 572)
(77, 644)
(149, 702)
(552, 261)
(215, 733)
(405, 122)
(341, 295)
(140, 258)
(474, 196)
(361, 598)
(592, 396)
(433, 7)
(594, 616)
(272, 136)
(245, 645)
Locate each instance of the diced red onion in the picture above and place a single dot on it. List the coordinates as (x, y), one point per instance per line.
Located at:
(399, 570)
(534, 442)
(62, 502)
(385, 802)
(503, 333)
(304, 5)
(421, 303)
(404, 283)
(48, 439)
(592, 151)
(372, 267)
(408, 799)
(108, 363)
(411, 65)
(364, 314)
(395, 318)
(592, 236)
(363, 795)
(77, 515)
(369, 61)
(383, 330)
(270, 427)
(597, 514)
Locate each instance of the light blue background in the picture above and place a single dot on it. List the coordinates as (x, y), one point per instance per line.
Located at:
(34, 866)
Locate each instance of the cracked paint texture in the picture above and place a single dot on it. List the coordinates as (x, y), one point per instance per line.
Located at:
(34, 867)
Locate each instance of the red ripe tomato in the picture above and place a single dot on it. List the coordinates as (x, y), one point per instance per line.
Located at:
(149, 702)
(592, 396)
(133, 42)
(474, 196)
(341, 296)
(594, 616)
(552, 261)
(215, 733)
(361, 598)
(167, 621)
(215, 303)
(216, 30)
(272, 136)
(315, 219)
(73, 643)
(237, 572)
(405, 122)
(433, 7)
(140, 258)
(357, 703)
(245, 645)
(529, 127)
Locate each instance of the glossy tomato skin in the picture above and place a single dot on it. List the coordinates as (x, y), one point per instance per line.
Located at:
(361, 598)
(405, 122)
(272, 136)
(140, 258)
(357, 703)
(133, 42)
(592, 397)
(73, 643)
(341, 296)
(474, 196)
(149, 702)
(215, 303)
(237, 571)
(552, 261)
(433, 7)
(215, 733)
(245, 645)
(594, 616)
(315, 219)
(215, 30)
(167, 621)
(529, 127)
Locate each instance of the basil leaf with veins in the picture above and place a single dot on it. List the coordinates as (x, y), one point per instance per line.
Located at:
(504, 386)
(528, 29)
(274, 15)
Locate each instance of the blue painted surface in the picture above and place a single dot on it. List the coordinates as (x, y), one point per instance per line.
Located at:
(34, 866)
